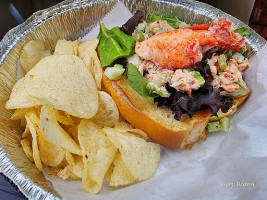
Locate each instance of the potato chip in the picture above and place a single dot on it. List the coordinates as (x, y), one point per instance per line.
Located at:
(51, 155)
(76, 165)
(26, 132)
(20, 98)
(119, 174)
(62, 172)
(77, 169)
(87, 52)
(74, 133)
(32, 123)
(140, 157)
(32, 53)
(23, 122)
(63, 117)
(45, 54)
(69, 158)
(26, 144)
(108, 113)
(64, 47)
(123, 126)
(19, 114)
(64, 82)
(65, 173)
(73, 177)
(76, 120)
(97, 70)
(98, 154)
(54, 133)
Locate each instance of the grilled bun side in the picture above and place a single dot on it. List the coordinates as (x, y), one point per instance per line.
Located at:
(237, 102)
(157, 122)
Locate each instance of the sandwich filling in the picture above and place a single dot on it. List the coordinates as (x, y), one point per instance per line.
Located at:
(186, 68)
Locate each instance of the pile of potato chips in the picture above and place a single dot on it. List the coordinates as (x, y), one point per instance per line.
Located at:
(71, 126)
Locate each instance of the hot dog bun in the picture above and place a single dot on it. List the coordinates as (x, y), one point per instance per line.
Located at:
(159, 122)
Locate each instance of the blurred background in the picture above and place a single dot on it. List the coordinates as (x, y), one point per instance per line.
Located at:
(251, 12)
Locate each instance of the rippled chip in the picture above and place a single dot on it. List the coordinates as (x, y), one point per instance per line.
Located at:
(51, 155)
(19, 114)
(108, 113)
(64, 82)
(74, 133)
(26, 132)
(33, 124)
(20, 97)
(98, 154)
(124, 126)
(63, 117)
(54, 133)
(32, 53)
(87, 52)
(26, 144)
(76, 165)
(63, 171)
(64, 47)
(140, 157)
(77, 169)
(118, 173)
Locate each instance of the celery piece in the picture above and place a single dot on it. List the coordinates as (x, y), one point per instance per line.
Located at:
(239, 56)
(161, 93)
(242, 83)
(148, 31)
(240, 92)
(243, 31)
(213, 126)
(162, 30)
(229, 54)
(222, 62)
(222, 125)
(134, 59)
(242, 51)
(118, 66)
(156, 88)
(114, 73)
(225, 124)
(138, 35)
(197, 76)
(141, 26)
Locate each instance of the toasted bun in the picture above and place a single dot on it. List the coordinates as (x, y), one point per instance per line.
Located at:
(157, 122)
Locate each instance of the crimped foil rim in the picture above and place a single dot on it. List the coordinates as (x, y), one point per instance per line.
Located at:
(28, 188)
(25, 185)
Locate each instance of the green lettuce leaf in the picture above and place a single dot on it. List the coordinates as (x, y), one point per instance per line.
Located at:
(114, 44)
(137, 82)
(173, 22)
